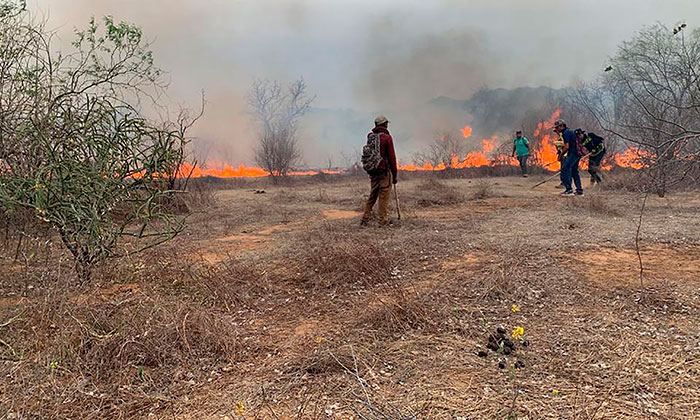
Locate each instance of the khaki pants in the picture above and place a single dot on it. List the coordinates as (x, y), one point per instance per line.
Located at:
(380, 189)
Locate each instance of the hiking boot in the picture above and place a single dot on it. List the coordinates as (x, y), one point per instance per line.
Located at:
(567, 194)
(524, 175)
(363, 223)
(579, 194)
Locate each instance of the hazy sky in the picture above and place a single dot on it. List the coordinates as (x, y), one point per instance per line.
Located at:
(371, 55)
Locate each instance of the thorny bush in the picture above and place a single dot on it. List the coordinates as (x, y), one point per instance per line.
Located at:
(75, 146)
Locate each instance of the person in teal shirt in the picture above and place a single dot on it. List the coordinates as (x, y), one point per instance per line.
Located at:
(521, 146)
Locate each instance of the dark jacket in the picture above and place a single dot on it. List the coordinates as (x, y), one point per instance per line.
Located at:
(387, 151)
(593, 143)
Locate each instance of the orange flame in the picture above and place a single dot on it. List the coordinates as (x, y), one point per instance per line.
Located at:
(547, 154)
(222, 170)
(474, 159)
(631, 158)
(487, 156)
(466, 131)
(489, 145)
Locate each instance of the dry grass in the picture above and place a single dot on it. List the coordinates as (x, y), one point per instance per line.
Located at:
(623, 180)
(596, 204)
(229, 284)
(322, 316)
(330, 260)
(482, 190)
(111, 358)
(394, 309)
(432, 192)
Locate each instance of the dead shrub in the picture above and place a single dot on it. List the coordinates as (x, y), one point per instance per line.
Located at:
(432, 192)
(126, 351)
(330, 261)
(315, 357)
(482, 190)
(226, 285)
(595, 204)
(395, 311)
(200, 195)
(623, 180)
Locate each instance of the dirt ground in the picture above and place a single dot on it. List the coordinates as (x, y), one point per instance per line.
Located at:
(278, 305)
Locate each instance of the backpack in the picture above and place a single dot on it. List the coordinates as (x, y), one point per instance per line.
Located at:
(580, 148)
(371, 152)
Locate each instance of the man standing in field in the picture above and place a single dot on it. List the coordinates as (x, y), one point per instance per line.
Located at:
(521, 146)
(569, 167)
(379, 160)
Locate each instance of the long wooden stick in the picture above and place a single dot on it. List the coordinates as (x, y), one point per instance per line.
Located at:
(546, 180)
(558, 172)
(398, 207)
(550, 163)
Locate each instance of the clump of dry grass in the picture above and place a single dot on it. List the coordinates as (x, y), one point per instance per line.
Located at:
(23, 234)
(623, 180)
(334, 262)
(323, 196)
(111, 356)
(286, 196)
(332, 257)
(595, 204)
(432, 192)
(482, 190)
(229, 284)
(197, 196)
(394, 311)
(316, 356)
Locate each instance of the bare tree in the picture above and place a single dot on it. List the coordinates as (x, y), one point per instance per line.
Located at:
(352, 161)
(650, 98)
(278, 111)
(445, 148)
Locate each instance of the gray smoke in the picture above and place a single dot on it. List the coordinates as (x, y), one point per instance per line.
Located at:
(363, 57)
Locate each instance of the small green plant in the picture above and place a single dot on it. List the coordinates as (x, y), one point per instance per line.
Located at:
(140, 373)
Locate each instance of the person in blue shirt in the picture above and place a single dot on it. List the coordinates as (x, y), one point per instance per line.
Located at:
(522, 146)
(569, 167)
